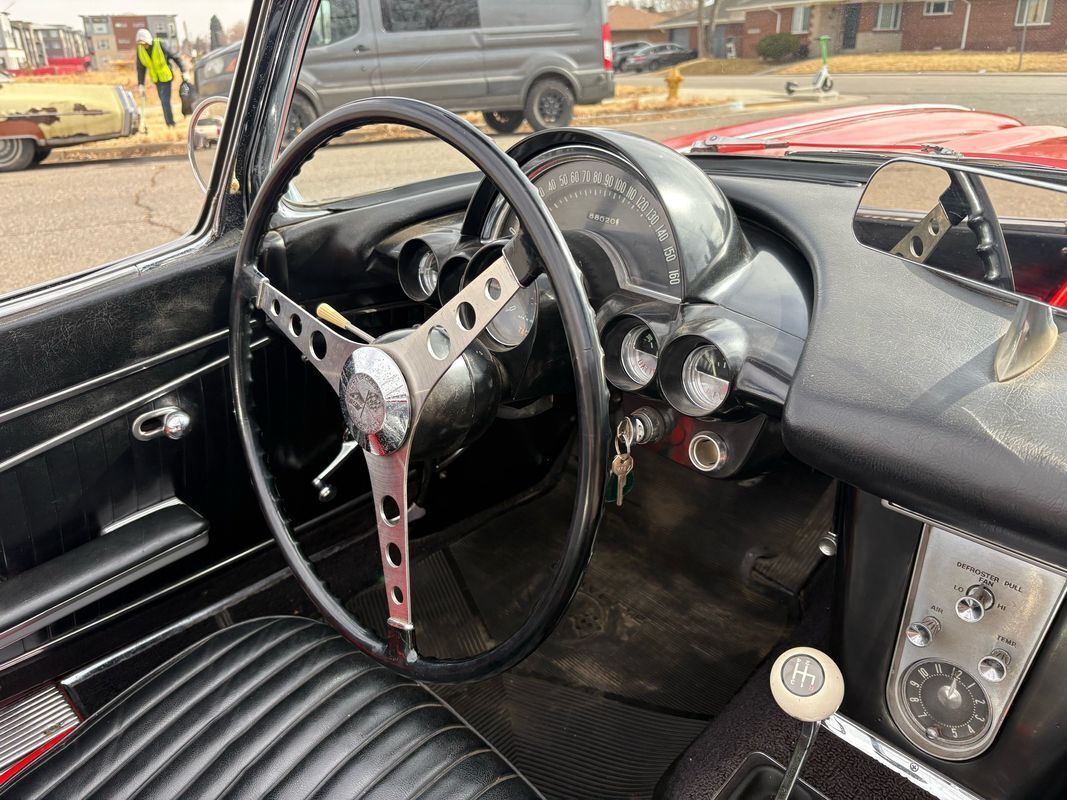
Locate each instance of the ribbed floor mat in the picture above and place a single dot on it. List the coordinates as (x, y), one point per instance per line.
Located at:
(663, 632)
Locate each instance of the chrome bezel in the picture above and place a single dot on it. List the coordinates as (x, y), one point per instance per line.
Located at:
(903, 699)
(617, 333)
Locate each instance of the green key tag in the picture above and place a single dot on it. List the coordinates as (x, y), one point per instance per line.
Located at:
(610, 491)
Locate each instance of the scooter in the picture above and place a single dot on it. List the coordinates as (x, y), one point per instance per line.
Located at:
(821, 82)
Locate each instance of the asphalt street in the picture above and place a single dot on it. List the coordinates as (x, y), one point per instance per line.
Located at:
(63, 218)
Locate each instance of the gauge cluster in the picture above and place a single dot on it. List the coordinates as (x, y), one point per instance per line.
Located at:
(702, 318)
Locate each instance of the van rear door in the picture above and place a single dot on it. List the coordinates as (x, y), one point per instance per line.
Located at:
(341, 63)
(431, 50)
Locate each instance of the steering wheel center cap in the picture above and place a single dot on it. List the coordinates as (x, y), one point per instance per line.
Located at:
(375, 400)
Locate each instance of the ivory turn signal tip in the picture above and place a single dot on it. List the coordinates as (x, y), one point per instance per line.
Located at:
(325, 311)
(328, 313)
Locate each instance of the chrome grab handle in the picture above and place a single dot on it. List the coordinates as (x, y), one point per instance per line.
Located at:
(169, 421)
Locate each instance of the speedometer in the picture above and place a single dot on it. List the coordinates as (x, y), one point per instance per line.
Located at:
(588, 190)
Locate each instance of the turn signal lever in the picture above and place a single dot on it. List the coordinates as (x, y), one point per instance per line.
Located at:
(808, 686)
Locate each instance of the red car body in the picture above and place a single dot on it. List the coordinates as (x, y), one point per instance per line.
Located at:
(904, 129)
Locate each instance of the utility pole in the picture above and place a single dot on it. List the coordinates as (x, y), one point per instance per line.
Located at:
(1022, 38)
(702, 42)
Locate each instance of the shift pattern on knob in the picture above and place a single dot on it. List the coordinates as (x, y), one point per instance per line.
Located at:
(807, 684)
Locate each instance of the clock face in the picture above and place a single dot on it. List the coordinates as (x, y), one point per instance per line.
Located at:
(945, 701)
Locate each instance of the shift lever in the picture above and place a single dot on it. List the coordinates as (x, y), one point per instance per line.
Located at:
(808, 686)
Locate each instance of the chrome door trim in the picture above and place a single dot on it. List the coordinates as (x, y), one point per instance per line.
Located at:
(116, 412)
(31, 721)
(136, 515)
(901, 763)
(106, 378)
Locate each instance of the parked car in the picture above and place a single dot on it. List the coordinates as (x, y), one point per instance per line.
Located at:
(657, 56)
(37, 117)
(621, 52)
(536, 65)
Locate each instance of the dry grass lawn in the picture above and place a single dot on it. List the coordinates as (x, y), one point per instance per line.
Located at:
(939, 61)
(725, 66)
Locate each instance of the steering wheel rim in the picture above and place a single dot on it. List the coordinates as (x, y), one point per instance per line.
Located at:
(397, 651)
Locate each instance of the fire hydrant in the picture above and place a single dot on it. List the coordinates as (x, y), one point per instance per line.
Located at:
(674, 82)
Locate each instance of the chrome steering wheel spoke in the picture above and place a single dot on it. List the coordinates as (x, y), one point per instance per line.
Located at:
(324, 348)
(422, 356)
(425, 354)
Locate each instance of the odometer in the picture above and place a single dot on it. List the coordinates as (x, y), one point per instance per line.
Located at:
(586, 190)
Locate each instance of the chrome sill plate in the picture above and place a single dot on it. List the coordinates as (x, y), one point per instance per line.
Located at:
(28, 723)
(901, 763)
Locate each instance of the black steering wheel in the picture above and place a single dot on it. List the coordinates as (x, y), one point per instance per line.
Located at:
(383, 386)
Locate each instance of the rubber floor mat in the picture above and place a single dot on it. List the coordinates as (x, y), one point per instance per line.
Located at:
(663, 632)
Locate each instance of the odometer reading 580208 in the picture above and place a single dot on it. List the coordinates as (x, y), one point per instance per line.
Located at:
(606, 197)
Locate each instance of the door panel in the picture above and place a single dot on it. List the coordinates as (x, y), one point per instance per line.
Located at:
(851, 26)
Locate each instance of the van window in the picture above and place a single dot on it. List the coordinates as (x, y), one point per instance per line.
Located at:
(509, 13)
(429, 15)
(335, 20)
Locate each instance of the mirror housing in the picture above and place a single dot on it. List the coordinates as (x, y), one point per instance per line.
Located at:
(1005, 234)
(205, 131)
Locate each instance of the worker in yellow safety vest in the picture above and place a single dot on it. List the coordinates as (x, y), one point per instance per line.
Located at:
(153, 60)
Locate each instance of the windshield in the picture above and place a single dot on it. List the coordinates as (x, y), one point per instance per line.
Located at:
(944, 78)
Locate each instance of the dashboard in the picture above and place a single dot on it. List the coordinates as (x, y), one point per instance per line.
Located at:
(702, 317)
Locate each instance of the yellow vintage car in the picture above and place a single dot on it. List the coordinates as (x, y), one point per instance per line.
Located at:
(35, 117)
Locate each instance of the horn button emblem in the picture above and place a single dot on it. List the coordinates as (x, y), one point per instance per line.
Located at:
(375, 400)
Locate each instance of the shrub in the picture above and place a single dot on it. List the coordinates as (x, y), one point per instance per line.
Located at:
(778, 47)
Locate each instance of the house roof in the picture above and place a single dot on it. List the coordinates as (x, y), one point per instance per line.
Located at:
(688, 19)
(628, 18)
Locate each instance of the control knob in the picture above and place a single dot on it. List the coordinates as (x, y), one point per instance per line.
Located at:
(921, 632)
(973, 605)
(994, 666)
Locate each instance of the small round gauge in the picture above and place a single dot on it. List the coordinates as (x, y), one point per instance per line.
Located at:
(513, 323)
(427, 272)
(639, 355)
(944, 701)
(706, 378)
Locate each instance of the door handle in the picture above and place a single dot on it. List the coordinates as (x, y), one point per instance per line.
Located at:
(170, 421)
(360, 48)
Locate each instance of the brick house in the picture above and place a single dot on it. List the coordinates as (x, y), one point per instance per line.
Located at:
(629, 24)
(893, 26)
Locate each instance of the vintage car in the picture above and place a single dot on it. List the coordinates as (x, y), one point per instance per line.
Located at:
(592, 470)
(37, 117)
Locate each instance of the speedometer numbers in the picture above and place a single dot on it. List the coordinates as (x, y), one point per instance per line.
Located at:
(944, 701)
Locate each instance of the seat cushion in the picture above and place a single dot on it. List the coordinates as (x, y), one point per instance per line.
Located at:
(281, 708)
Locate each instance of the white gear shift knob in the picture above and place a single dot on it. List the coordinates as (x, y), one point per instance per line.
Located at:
(807, 684)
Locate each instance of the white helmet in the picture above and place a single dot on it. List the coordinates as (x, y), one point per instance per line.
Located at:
(144, 36)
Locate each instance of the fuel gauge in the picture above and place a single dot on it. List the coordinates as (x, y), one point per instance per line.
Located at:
(640, 354)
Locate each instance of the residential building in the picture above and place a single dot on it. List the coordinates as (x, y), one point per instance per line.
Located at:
(629, 24)
(114, 37)
(12, 48)
(682, 29)
(870, 27)
(28, 45)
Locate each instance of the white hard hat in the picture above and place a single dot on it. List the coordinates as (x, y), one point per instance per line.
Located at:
(144, 36)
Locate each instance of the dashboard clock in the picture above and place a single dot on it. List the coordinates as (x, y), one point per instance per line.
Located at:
(944, 701)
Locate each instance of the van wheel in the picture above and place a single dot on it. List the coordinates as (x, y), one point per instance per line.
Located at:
(16, 154)
(503, 121)
(301, 114)
(550, 104)
(40, 154)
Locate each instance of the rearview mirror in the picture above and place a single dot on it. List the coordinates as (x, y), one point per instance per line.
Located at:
(205, 131)
(1005, 232)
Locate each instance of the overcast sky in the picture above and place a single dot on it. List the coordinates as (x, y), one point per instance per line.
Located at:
(196, 14)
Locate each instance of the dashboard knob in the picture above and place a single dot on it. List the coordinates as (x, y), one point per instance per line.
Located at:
(923, 631)
(994, 666)
(973, 605)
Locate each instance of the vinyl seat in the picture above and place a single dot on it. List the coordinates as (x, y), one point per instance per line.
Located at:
(279, 708)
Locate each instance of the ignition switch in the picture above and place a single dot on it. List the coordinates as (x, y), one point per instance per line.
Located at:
(651, 424)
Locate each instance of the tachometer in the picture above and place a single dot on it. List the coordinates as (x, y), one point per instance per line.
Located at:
(590, 190)
(513, 322)
(639, 355)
